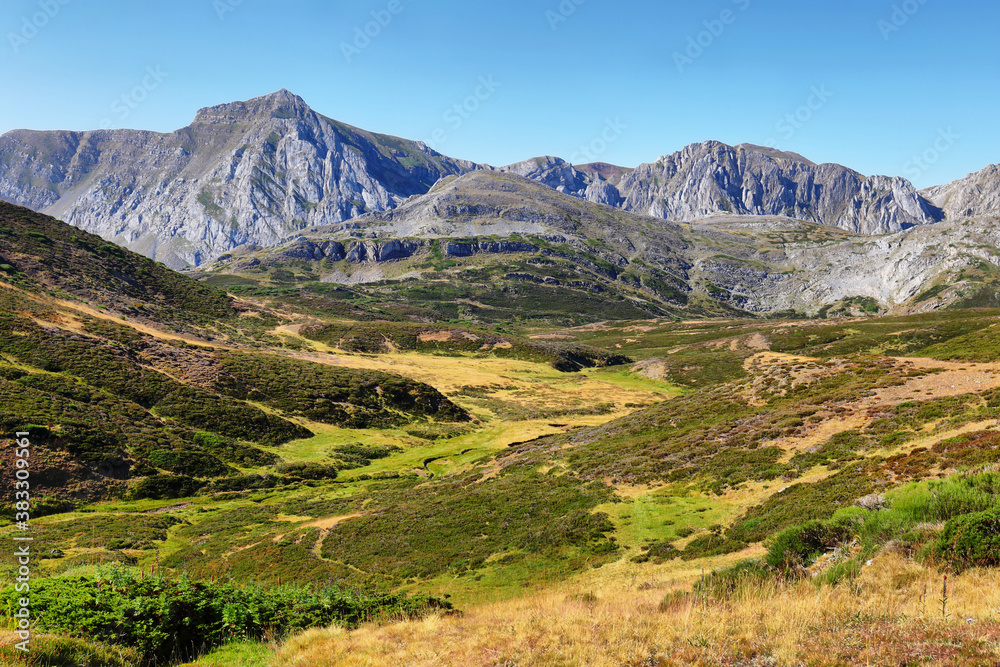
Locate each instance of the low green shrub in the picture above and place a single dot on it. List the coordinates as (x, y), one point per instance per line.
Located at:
(190, 463)
(970, 540)
(166, 620)
(307, 470)
(798, 546)
(349, 457)
(232, 451)
(160, 487)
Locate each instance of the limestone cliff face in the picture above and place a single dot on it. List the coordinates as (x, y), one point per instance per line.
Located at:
(974, 196)
(242, 173)
(713, 178)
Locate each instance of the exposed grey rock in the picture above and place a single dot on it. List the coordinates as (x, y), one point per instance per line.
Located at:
(245, 172)
(712, 178)
(975, 195)
(553, 172)
(365, 251)
(588, 183)
(458, 249)
(602, 192)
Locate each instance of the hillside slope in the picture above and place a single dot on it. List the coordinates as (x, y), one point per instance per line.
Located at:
(105, 360)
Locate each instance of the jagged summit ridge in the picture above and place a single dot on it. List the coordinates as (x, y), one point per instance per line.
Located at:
(713, 178)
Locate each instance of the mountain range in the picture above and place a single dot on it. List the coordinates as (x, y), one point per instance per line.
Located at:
(253, 172)
(270, 185)
(247, 172)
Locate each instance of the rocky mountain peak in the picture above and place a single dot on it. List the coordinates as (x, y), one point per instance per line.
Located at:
(243, 173)
(774, 153)
(280, 104)
(552, 171)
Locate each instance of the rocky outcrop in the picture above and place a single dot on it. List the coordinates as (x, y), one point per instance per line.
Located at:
(974, 196)
(242, 173)
(308, 250)
(553, 172)
(475, 247)
(885, 205)
(602, 192)
(589, 182)
(367, 251)
(712, 178)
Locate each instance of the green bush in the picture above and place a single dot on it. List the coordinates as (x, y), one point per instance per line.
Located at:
(799, 546)
(970, 540)
(190, 463)
(232, 451)
(307, 470)
(168, 620)
(349, 457)
(160, 487)
(241, 483)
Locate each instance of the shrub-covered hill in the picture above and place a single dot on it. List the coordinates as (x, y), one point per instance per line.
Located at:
(40, 254)
(116, 412)
(805, 436)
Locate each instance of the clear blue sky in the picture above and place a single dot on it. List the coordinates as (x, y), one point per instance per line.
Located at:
(887, 95)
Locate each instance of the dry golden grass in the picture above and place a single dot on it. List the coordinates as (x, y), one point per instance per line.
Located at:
(892, 615)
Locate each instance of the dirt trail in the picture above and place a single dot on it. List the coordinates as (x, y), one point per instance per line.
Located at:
(330, 522)
(291, 329)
